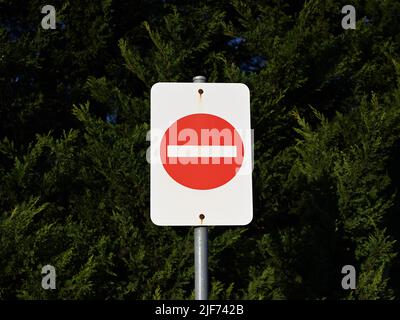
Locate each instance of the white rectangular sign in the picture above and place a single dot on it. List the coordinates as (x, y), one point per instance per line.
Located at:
(201, 154)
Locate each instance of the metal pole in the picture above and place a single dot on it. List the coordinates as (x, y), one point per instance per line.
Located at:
(200, 250)
(201, 263)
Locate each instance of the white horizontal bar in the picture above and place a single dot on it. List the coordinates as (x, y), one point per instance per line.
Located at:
(201, 151)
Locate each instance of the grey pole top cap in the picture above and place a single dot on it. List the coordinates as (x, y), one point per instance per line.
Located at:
(199, 79)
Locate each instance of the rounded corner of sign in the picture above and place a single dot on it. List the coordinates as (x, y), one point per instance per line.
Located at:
(248, 221)
(155, 86)
(155, 221)
(245, 87)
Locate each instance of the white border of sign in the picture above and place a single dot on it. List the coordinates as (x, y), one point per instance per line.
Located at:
(172, 204)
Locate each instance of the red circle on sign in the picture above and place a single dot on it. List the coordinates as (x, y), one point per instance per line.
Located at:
(201, 151)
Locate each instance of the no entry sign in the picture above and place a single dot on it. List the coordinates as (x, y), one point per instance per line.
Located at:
(201, 151)
(200, 154)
